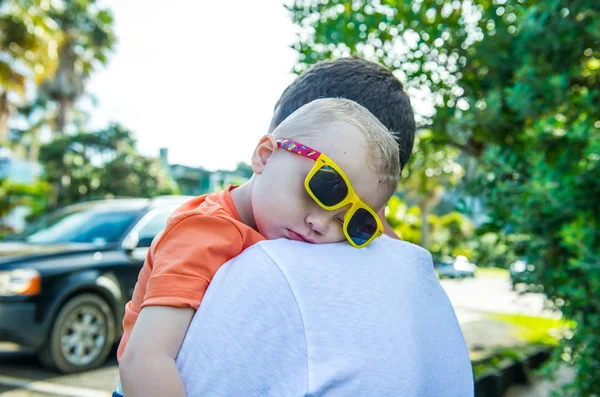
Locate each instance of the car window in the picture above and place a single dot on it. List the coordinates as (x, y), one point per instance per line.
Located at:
(154, 226)
(89, 226)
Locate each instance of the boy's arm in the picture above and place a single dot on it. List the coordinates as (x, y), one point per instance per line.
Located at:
(147, 367)
(184, 260)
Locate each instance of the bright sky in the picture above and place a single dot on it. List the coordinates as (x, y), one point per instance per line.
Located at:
(198, 77)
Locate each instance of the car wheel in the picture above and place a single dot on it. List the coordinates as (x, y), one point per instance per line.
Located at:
(81, 335)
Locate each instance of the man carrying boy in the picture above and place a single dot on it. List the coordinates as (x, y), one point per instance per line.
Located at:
(345, 322)
(381, 86)
(320, 177)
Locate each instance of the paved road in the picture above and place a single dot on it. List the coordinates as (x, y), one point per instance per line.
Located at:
(491, 295)
(22, 376)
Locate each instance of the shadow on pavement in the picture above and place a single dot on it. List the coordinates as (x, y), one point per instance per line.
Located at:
(24, 365)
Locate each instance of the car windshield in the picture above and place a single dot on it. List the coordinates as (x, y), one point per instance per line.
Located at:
(90, 225)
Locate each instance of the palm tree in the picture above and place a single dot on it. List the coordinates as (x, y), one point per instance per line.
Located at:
(28, 43)
(88, 38)
(36, 115)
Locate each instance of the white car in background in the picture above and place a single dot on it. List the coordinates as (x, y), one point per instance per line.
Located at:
(460, 267)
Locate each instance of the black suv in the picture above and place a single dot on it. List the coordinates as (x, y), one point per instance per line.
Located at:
(65, 281)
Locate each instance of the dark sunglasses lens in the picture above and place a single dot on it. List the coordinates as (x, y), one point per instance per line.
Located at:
(362, 226)
(328, 186)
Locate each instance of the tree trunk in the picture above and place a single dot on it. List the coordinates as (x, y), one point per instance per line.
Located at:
(425, 232)
(4, 114)
(64, 107)
(34, 147)
(65, 87)
(61, 193)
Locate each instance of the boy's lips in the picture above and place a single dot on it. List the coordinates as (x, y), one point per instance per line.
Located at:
(292, 235)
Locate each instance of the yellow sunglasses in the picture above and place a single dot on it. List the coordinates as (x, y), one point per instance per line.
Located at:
(330, 188)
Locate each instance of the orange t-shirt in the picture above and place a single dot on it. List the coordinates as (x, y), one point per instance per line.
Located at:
(199, 238)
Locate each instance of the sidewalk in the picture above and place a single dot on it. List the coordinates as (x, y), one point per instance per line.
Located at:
(484, 335)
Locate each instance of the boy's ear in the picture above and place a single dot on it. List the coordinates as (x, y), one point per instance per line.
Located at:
(264, 150)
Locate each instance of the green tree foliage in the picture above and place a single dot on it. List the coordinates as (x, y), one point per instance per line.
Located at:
(12, 195)
(449, 233)
(28, 43)
(60, 44)
(515, 84)
(100, 165)
(87, 40)
(244, 169)
(433, 169)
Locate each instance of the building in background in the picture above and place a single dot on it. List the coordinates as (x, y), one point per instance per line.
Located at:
(194, 181)
(18, 170)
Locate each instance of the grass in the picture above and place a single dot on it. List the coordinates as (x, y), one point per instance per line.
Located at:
(492, 272)
(536, 330)
(495, 357)
(531, 333)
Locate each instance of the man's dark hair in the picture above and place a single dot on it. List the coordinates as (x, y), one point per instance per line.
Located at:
(368, 83)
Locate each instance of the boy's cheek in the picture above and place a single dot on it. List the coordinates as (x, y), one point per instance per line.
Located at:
(336, 235)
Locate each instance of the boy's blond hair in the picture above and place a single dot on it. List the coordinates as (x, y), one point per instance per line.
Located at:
(382, 148)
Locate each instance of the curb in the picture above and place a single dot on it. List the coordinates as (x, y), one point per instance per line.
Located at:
(509, 372)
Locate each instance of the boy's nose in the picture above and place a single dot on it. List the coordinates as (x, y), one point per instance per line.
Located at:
(318, 222)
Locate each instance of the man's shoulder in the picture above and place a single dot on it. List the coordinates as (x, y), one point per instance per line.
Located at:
(332, 295)
(307, 270)
(383, 243)
(384, 251)
(386, 295)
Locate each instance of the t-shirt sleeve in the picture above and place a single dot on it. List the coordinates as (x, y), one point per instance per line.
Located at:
(186, 258)
(247, 338)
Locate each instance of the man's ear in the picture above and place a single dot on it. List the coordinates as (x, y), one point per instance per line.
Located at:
(264, 150)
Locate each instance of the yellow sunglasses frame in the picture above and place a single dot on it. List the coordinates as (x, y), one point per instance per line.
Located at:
(351, 198)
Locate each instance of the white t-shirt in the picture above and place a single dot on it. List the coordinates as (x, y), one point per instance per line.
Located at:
(287, 318)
